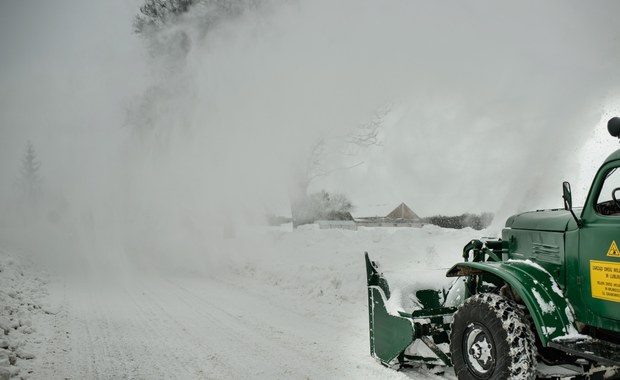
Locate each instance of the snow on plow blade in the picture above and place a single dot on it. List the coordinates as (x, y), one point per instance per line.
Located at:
(392, 334)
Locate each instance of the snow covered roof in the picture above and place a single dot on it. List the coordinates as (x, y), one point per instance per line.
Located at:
(403, 211)
(380, 211)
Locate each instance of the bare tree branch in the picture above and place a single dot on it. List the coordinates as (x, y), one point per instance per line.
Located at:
(367, 134)
(363, 136)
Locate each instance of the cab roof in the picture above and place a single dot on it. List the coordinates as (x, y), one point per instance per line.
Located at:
(612, 157)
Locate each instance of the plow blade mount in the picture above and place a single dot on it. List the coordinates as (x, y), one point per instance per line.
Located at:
(393, 332)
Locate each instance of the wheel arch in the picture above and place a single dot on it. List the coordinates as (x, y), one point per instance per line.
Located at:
(552, 314)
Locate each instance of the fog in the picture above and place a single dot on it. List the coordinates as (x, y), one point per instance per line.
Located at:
(151, 159)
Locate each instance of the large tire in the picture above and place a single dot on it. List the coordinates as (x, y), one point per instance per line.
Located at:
(491, 339)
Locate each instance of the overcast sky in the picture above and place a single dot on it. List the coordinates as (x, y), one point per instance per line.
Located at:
(491, 102)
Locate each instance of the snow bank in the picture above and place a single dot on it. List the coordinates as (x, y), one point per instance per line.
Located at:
(21, 295)
(328, 265)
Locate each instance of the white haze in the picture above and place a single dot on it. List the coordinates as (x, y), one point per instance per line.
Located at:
(490, 105)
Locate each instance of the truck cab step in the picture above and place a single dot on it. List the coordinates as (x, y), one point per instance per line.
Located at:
(597, 350)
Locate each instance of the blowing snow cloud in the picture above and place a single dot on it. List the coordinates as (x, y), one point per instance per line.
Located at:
(158, 150)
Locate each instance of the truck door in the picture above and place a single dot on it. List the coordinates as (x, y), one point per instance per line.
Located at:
(599, 248)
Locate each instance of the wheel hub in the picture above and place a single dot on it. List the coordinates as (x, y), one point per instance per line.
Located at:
(481, 350)
(480, 353)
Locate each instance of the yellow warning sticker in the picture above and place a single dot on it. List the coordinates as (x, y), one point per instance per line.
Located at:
(613, 250)
(605, 280)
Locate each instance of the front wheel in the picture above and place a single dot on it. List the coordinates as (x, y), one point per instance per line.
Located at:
(491, 339)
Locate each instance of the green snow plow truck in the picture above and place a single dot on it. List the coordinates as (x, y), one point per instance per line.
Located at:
(541, 301)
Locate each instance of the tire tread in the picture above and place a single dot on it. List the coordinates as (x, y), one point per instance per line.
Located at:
(507, 322)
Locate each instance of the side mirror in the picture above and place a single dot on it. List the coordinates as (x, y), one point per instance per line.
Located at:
(567, 196)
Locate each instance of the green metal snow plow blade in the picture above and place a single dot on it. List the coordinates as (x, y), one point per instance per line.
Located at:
(393, 334)
(390, 335)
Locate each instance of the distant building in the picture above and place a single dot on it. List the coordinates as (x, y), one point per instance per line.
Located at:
(403, 213)
(337, 224)
(401, 216)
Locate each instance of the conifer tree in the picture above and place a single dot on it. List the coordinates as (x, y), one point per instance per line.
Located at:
(30, 181)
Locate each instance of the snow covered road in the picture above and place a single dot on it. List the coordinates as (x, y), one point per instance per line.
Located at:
(201, 328)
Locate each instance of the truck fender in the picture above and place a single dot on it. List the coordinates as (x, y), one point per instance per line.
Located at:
(551, 312)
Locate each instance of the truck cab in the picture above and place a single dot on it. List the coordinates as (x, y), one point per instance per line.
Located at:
(595, 266)
(578, 248)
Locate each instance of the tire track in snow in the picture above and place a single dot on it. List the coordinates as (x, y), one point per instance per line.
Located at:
(109, 338)
(98, 349)
(199, 328)
(215, 334)
(177, 337)
(278, 335)
(232, 343)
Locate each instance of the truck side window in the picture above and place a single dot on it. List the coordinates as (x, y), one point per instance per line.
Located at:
(605, 204)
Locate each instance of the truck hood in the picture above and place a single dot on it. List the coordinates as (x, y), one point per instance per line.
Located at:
(543, 220)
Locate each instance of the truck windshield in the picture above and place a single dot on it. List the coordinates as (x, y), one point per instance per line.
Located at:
(605, 204)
